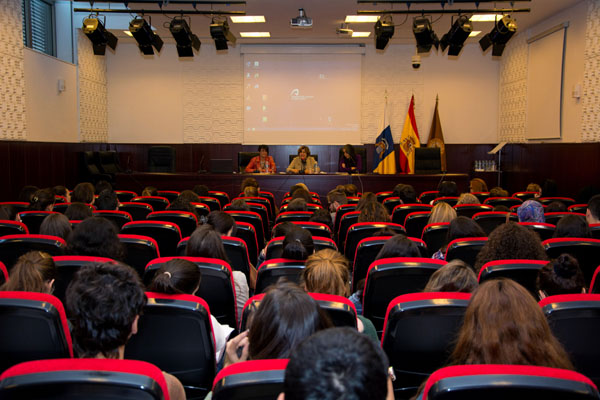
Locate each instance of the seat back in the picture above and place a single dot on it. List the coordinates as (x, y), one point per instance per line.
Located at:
(12, 228)
(140, 251)
(185, 220)
(119, 218)
(586, 251)
(428, 160)
(578, 208)
(524, 272)
(259, 209)
(567, 201)
(419, 333)
(291, 216)
(389, 278)
(525, 195)
(311, 207)
(175, 334)
(316, 229)
(470, 382)
(348, 219)
(270, 271)
(595, 285)
(66, 267)
(255, 379)
(428, 196)
(125, 195)
(554, 217)
(246, 232)
(366, 252)
(465, 249)
(490, 220)
(275, 246)
(34, 219)
(109, 162)
(14, 246)
(340, 212)
(503, 201)
(381, 196)
(216, 288)
(166, 234)
(213, 202)
(158, 203)
(544, 230)
(415, 222)
(481, 196)
(3, 273)
(391, 203)
(138, 211)
(249, 307)
(341, 311)
(435, 236)
(33, 326)
(401, 211)
(468, 210)
(362, 230)
(251, 218)
(17, 205)
(261, 199)
(89, 378)
(237, 253)
(450, 200)
(575, 320)
(161, 159)
(169, 194)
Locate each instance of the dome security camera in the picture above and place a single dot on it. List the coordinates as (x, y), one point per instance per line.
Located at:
(416, 61)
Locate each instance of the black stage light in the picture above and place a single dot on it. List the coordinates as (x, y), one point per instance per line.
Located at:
(424, 35)
(457, 35)
(499, 36)
(146, 38)
(219, 30)
(186, 40)
(100, 37)
(383, 33)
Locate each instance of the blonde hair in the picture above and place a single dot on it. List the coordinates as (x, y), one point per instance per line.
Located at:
(467, 198)
(533, 187)
(478, 185)
(442, 212)
(326, 272)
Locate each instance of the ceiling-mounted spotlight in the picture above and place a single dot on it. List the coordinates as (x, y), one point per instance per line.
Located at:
(343, 30)
(100, 37)
(384, 30)
(146, 38)
(424, 35)
(456, 36)
(499, 36)
(219, 30)
(301, 21)
(186, 40)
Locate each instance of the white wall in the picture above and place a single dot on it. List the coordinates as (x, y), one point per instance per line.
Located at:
(51, 115)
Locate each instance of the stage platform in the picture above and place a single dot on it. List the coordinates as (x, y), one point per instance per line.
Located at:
(279, 184)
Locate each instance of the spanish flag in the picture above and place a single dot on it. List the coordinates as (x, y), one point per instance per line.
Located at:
(409, 140)
(385, 156)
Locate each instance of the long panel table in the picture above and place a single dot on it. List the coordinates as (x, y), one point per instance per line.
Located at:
(279, 184)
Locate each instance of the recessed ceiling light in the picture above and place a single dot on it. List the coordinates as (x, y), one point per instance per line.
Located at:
(485, 17)
(255, 34)
(128, 33)
(361, 34)
(474, 33)
(361, 18)
(248, 19)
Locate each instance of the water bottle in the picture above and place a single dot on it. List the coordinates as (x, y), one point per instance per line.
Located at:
(267, 167)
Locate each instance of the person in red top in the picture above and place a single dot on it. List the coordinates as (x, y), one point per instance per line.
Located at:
(262, 163)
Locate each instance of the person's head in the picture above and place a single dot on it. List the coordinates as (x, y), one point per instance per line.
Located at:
(263, 150)
(467, 198)
(592, 214)
(33, 272)
(206, 242)
(498, 192)
(463, 227)
(398, 246)
(285, 317)
(339, 363)
(26, 193)
(95, 236)
(102, 186)
(301, 193)
(336, 198)
(350, 189)
(406, 193)
(323, 217)
(239, 205)
(83, 193)
(7, 212)
(104, 302)
(573, 226)
(250, 191)
(366, 198)
(62, 191)
(42, 200)
(299, 185)
(249, 182)
(511, 241)
(56, 225)
(107, 200)
(283, 228)
(478, 185)
(189, 195)
(534, 187)
(298, 204)
(348, 151)
(303, 152)
(456, 276)
(374, 212)
(150, 191)
(222, 222)
(78, 211)
(549, 188)
(448, 189)
(181, 204)
(560, 276)
(441, 212)
(201, 190)
(298, 244)
(531, 211)
(177, 276)
(326, 271)
(503, 324)
(555, 206)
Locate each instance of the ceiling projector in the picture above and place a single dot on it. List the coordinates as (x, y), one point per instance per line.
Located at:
(301, 21)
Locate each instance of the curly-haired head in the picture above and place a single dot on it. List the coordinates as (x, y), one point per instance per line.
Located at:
(561, 276)
(96, 236)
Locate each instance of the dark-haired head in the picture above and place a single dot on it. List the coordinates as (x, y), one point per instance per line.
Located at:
(26, 193)
(222, 222)
(366, 198)
(456, 276)
(323, 217)
(297, 204)
(556, 206)
(78, 211)
(463, 227)
(350, 189)
(298, 244)
(177, 276)
(448, 189)
(42, 200)
(8, 212)
(593, 210)
(373, 212)
(574, 226)
(206, 242)
(282, 228)
(62, 191)
(560, 276)
(34, 272)
(103, 304)
(263, 147)
(83, 193)
(349, 149)
(190, 196)
(201, 190)
(406, 193)
(56, 225)
(302, 193)
(249, 182)
(239, 205)
(498, 192)
(107, 200)
(95, 236)
(102, 186)
(398, 246)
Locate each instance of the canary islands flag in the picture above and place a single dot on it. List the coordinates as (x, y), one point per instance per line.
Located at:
(409, 140)
(385, 157)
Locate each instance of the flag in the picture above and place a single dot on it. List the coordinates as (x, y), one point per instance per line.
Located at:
(385, 156)
(409, 140)
(436, 136)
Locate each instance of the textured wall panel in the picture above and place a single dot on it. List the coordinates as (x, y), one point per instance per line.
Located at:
(591, 79)
(93, 106)
(213, 97)
(513, 91)
(12, 71)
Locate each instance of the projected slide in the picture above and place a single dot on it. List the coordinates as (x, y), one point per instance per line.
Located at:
(302, 98)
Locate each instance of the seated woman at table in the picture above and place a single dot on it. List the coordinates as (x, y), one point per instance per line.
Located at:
(349, 161)
(303, 163)
(262, 163)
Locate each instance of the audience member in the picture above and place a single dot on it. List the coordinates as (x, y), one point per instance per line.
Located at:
(238, 205)
(467, 198)
(62, 191)
(448, 189)
(478, 185)
(572, 226)
(56, 225)
(263, 162)
(406, 193)
(592, 215)
(299, 185)
(337, 364)
(366, 198)
(201, 190)
(304, 163)
(190, 196)
(7, 212)
(95, 236)
(456, 276)
(373, 212)
(498, 192)
(249, 182)
(78, 211)
(33, 272)
(301, 193)
(251, 191)
(150, 191)
(555, 206)
(534, 187)
(103, 185)
(107, 200)
(297, 244)
(222, 222)
(323, 217)
(297, 204)
(104, 302)
(349, 161)
(398, 246)
(83, 193)
(560, 276)
(26, 193)
(42, 200)
(441, 212)
(350, 189)
(531, 211)
(459, 228)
